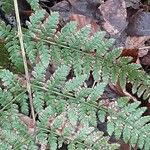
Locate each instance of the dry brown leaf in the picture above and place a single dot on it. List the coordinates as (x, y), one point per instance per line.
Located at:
(114, 14)
(143, 52)
(139, 24)
(145, 60)
(132, 3)
(87, 8)
(83, 21)
(28, 122)
(135, 41)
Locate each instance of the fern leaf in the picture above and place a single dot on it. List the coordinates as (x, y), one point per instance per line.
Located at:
(38, 101)
(4, 30)
(23, 101)
(52, 140)
(72, 115)
(34, 4)
(59, 77)
(35, 22)
(130, 123)
(71, 146)
(5, 97)
(44, 115)
(8, 78)
(97, 91)
(75, 83)
(51, 24)
(13, 48)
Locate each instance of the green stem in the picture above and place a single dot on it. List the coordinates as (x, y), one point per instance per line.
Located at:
(71, 97)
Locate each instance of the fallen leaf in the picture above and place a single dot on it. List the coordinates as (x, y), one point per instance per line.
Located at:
(83, 21)
(139, 24)
(86, 8)
(63, 8)
(143, 52)
(145, 60)
(130, 53)
(135, 42)
(132, 3)
(28, 122)
(114, 15)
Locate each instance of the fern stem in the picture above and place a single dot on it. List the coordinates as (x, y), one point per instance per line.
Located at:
(12, 101)
(71, 97)
(67, 47)
(20, 35)
(17, 145)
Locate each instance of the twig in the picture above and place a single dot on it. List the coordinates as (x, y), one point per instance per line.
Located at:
(20, 35)
(145, 47)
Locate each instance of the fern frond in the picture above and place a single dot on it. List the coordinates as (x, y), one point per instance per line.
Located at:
(8, 78)
(58, 78)
(130, 124)
(35, 22)
(87, 53)
(75, 83)
(5, 97)
(52, 141)
(34, 4)
(50, 25)
(12, 44)
(68, 110)
(13, 48)
(79, 137)
(13, 133)
(7, 6)
(38, 101)
(4, 30)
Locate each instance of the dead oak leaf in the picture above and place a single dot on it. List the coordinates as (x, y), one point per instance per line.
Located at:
(114, 15)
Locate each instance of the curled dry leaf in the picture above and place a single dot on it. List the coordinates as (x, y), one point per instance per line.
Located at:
(114, 15)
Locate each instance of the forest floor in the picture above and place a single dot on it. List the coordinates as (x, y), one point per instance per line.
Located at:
(127, 21)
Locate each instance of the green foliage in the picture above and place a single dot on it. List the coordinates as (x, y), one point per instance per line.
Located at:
(130, 123)
(67, 109)
(34, 4)
(12, 45)
(7, 6)
(4, 57)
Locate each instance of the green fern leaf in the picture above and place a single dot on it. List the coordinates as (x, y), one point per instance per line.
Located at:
(52, 139)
